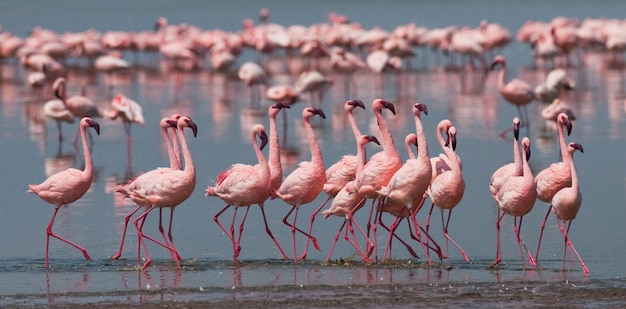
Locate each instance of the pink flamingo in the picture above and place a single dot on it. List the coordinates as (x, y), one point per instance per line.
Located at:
(67, 187)
(315, 83)
(516, 198)
(56, 110)
(305, 183)
(407, 186)
(342, 171)
(382, 165)
(502, 174)
(254, 76)
(347, 201)
(243, 185)
(566, 204)
(446, 190)
(516, 91)
(79, 105)
(558, 175)
(129, 112)
(140, 181)
(167, 189)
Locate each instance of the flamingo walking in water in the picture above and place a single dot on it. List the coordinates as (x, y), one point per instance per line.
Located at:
(175, 163)
(305, 183)
(557, 176)
(516, 198)
(347, 201)
(515, 91)
(502, 174)
(67, 187)
(566, 204)
(342, 171)
(169, 188)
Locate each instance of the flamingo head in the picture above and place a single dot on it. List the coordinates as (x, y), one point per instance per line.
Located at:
(370, 138)
(88, 122)
(452, 137)
(563, 119)
(572, 147)
(185, 121)
(311, 111)
(516, 128)
(526, 147)
(499, 59)
(411, 139)
(259, 130)
(379, 104)
(277, 107)
(420, 107)
(352, 104)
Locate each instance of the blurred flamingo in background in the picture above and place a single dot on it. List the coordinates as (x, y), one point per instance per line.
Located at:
(129, 112)
(515, 91)
(55, 109)
(67, 186)
(79, 105)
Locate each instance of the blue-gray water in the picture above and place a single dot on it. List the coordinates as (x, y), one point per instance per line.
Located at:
(30, 152)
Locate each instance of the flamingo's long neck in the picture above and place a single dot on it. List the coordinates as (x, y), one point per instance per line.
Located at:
(422, 143)
(565, 155)
(361, 158)
(409, 150)
(517, 157)
(265, 169)
(385, 134)
(174, 157)
(574, 174)
(87, 153)
(355, 128)
(501, 76)
(274, 155)
(440, 128)
(189, 169)
(316, 151)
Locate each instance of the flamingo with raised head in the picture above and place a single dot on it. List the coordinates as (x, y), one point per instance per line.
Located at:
(79, 105)
(305, 183)
(67, 186)
(516, 198)
(129, 112)
(515, 91)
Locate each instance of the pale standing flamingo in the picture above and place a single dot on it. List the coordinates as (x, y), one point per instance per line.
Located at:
(382, 165)
(342, 171)
(502, 174)
(566, 204)
(56, 110)
(516, 198)
(254, 76)
(129, 112)
(407, 186)
(447, 189)
(515, 91)
(141, 180)
(347, 201)
(315, 83)
(243, 185)
(305, 183)
(558, 175)
(67, 186)
(79, 105)
(168, 189)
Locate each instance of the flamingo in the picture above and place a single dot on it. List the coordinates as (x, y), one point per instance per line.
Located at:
(80, 106)
(167, 189)
(446, 190)
(516, 198)
(550, 112)
(556, 81)
(566, 204)
(407, 186)
(254, 76)
(347, 201)
(242, 185)
(558, 175)
(305, 183)
(502, 174)
(67, 186)
(315, 83)
(382, 165)
(129, 112)
(342, 171)
(516, 91)
(141, 180)
(55, 109)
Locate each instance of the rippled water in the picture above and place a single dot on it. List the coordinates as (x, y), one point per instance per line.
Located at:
(221, 109)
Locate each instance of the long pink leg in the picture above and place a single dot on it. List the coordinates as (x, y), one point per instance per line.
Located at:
(169, 234)
(332, 247)
(543, 226)
(426, 246)
(313, 215)
(354, 243)
(126, 219)
(392, 233)
(445, 234)
(565, 233)
(521, 241)
(498, 255)
(165, 245)
(216, 219)
(294, 229)
(269, 232)
(141, 242)
(50, 233)
(243, 220)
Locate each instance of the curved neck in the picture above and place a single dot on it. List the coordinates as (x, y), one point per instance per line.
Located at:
(409, 150)
(565, 155)
(171, 153)
(517, 157)
(501, 75)
(355, 128)
(442, 143)
(261, 158)
(316, 152)
(422, 143)
(574, 174)
(274, 153)
(361, 158)
(385, 133)
(86, 152)
(189, 167)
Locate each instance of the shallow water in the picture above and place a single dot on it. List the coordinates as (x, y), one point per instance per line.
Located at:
(222, 111)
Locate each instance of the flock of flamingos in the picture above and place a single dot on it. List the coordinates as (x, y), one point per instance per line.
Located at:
(393, 186)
